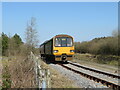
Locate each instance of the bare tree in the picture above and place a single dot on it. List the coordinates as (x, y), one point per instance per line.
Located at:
(31, 35)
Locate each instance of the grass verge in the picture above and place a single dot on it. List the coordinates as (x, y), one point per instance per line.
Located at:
(101, 59)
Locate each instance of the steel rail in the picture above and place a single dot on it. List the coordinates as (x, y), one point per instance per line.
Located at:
(97, 71)
(104, 82)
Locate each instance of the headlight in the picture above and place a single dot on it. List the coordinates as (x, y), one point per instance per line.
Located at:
(71, 50)
(55, 51)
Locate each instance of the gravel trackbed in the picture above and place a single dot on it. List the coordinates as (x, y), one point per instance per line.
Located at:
(79, 80)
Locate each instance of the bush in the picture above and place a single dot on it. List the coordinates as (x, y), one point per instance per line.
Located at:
(103, 45)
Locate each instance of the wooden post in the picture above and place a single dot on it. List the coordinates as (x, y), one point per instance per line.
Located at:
(42, 76)
(48, 79)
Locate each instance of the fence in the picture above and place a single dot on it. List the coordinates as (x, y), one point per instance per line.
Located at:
(42, 76)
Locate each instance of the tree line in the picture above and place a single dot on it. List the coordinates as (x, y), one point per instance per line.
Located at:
(103, 45)
(10, 45)
(16, 62)
(13, 45)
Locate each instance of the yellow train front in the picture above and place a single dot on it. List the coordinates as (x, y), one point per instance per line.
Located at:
(59, 48)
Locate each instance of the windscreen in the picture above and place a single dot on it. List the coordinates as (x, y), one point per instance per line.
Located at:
(63, 42)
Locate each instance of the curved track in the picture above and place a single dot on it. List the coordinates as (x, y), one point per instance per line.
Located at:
(97, 71)
(108, 79)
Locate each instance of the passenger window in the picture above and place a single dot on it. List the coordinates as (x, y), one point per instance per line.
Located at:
(57, 42)
(69, 42)
(64, 43)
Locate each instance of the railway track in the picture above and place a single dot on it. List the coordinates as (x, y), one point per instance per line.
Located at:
(96, 70)
(108, 79)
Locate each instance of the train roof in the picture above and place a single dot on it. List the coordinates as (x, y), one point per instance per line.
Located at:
(62, 35)
(59, 35)
(44, 42)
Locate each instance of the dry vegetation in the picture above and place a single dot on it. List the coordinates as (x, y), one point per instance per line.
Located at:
(20, 71)
(104, 50)
(6, 82)
(102, 46)
(90, 61)
(101, 59)
(58, 80)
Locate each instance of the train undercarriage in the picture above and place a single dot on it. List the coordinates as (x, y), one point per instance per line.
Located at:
(63, 57)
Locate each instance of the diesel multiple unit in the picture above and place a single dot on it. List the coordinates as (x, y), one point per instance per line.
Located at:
(59, 48)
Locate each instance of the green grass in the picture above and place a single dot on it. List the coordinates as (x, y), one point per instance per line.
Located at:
(115, 63)
(5, 74)
(6, 83)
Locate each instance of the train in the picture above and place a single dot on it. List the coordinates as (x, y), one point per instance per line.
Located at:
(58, 48)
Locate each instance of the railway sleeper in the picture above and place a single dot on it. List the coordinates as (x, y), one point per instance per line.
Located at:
(113, 86)
(114, 76)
